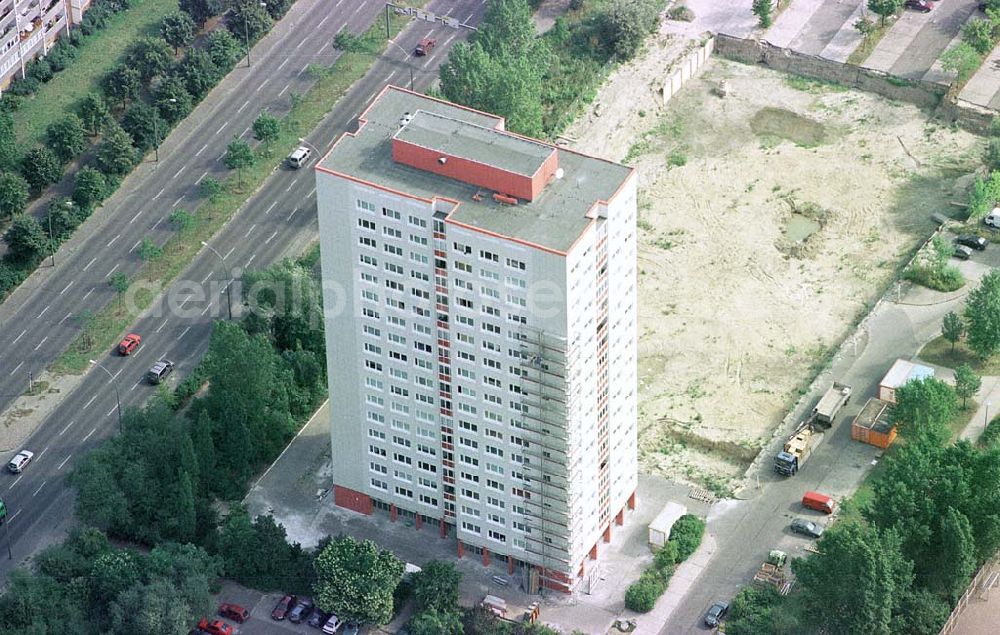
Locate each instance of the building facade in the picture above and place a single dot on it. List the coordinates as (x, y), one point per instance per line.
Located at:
(29, 28)
(480, 298)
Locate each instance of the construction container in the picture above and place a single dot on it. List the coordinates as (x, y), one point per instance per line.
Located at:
(874, 424)
(902, 371)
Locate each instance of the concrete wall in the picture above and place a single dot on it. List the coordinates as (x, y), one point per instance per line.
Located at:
(920, 93)
(688, 66)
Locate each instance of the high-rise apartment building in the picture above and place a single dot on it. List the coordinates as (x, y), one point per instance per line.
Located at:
(29, 28)
(480, 291)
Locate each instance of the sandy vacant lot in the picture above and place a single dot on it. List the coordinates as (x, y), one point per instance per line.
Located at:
(769, 219)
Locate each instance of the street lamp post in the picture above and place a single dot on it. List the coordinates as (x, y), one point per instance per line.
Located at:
(406, 60)
(987, 422)
(229, 280)
(246, 32)
(118, 398)
(156, 131)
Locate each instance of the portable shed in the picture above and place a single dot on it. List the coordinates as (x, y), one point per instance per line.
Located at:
(901, 372)
(659, 529)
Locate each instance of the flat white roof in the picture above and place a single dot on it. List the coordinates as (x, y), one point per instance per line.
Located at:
(666, 518)
(903, 371)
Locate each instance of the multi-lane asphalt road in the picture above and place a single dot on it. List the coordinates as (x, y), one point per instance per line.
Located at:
(279, 220)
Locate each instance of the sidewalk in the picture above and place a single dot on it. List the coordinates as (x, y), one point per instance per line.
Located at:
(792, 20)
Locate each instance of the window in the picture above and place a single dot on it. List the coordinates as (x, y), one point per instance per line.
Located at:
(397, 355)
(396, 321)
(401, 375)
(488, 310)
(375, 450)
(426, 449)
(468, 460)
(379, 484)
(421, 328)
(496, 519)
(376, 417)
(392, 232)
(402, 491)
(491, 328)
(364, 223)
(463, 319)
(390, 213)
(396, 338)
(469, 443)
(428, 500)
(461, 266)
(423, 363)
(464, 372)
(392, 285)
(427, 483)
(372, 382)
(417, 222)
(516, 282)
(469, 511)
(492, 484)
(392, 268)
(392, 249)
(369, 364)
(494, 451)
(423, 347)
(490, 292)
(489, 275)
(516, 300)
(365, 205)
(496, 469)
(371, 331)
(368, 260)
(403, 476)
(365, 241)
(419, 240)
(462, 249)
(516, 264)
(369, 295)
(427, 399)
(418, 258)
(375, 400)
(464, 303)
(369, 278)
(489, 255)
(427, 467)
(400, 441)
(495, 502)
(375, 467)
(495, 535)
(468, 493)
(467, 526)
(401, 458)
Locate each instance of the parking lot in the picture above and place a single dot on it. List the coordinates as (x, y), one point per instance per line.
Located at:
(260, 606)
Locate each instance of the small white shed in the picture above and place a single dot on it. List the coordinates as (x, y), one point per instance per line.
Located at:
(659, 529)
(901, 372)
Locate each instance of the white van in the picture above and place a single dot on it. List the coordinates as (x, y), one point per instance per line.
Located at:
(993, 218)
(299, 157)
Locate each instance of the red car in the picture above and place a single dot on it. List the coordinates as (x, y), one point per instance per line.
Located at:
(234, 612)
(129, 344)
(215, 627)
(922, 6)
(425, 46)
(282, 607)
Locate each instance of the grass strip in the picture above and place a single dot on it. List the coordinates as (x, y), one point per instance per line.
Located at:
(102, 330)
(98, 55)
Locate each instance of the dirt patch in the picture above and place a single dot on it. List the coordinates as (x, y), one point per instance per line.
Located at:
(770, 219)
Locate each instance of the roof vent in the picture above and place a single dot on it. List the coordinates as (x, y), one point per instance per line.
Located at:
(405, 119)
(560, 173)
(442, 160)
(504, 198)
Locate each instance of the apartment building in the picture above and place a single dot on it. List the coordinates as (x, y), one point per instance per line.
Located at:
(480, 298)
(29, 28)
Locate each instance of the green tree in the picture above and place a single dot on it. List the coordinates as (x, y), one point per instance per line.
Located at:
(239, 156)
(185, 516)
(26, 241)
(865, 26)
(435, 622)
(641, 596)
(67, 137)
(9, 150)
(924, 407)
(435, 587)
(144, 125)
(351, 43)
(278, 8)
(752, 610)
(248, 20)
(224, 49)
(626, 23)
(202, 10)
(967, 382)
(13, 194)
(150, 609)
(952, 328)
(884, 8)
(173, 99)
(150, 56)
(853, 583)
(40, 168)
(90, 189)
(177, 29)
(982, 316)
(123, 84)
(921, 613)
(93, 111)
(119, 282)
(199, 73)
(979, 35)
(355, 580)
(956, 555)
(991, 156)
(266, 129)
(149, 250)
(61, 218)
(116, 155)
(210, 188)
(762, 9)
(687, 533)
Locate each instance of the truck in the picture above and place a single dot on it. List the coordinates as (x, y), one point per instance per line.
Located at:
(772, 572)
(835, 398)
(798, 448)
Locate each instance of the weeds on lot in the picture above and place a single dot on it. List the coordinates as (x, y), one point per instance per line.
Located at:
(812, 85)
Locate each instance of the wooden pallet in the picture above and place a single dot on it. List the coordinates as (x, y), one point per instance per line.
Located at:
(702, 494)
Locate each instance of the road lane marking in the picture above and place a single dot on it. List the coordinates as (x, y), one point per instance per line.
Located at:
(292, 214)
(221, 127)
(222, 156)
(39, 345)
(87, 405)
(136, 384)
(291, 185)
(112, 241)
(44, 310)
(178, 172)
(19, 337)
(284, 89)
(88, 434)
(19, 364)
(110, 411)
(262, 83)
(158, 222)
(252, 227)
(271, 237)
(249, 261)
(64, 462)
(245, 104)
(207, 276)
(68, 316)
(68, 425)
(270, 208)
(300, 45)
(115, 376)
(280, 66)
(184, 332)
(306, 67)
(198, 153)
(67, 287)
(206, 309)
(135, 217)
(311, 192)
(203, 175)
(87, 294)
(323, 21)
(179, 199)
(228, 252)
(39, 488)
(113, 269)
(41, 453)
(159, 193)
(137, 243)
(14, 516)
(15, 482)
(162, 325)
(92, 260)
(245, 130)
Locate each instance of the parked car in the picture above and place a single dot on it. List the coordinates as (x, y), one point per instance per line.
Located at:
(332, 624)
(715, 613)
(351, 629)
(806, 528)
(993, 218)
(299, 157)
(282, 607)
(160, 371)
(20, 461)
(975, 242)
(215, 627)
(318, 617)
(128, 345)
(922, 6)
(425, 46)
(234, 612)
(300, 611)
(962, 252)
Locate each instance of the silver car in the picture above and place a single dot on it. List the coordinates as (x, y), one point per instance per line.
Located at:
(806, 528)
(20, 461)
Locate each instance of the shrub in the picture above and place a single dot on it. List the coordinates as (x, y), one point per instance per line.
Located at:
(666, 557)
(681, 14)
(626, 23)
(642, 594)
(686, 534)
(40, 69)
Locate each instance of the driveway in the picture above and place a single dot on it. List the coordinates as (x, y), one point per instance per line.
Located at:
(818, 27)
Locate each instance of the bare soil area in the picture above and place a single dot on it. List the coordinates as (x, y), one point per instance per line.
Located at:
(770, 219)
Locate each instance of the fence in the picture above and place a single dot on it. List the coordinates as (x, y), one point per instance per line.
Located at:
(987, 578)
(686, 68)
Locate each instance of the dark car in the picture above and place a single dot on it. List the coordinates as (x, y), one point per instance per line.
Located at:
(318, 617)
(962, 252)
(300, 611)
(976, 242)
(234, 612)
(351, 629)
(160, 371)
(922, 6)
(425, 46)
(282, 607)
(806, 528)
(715, 613)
